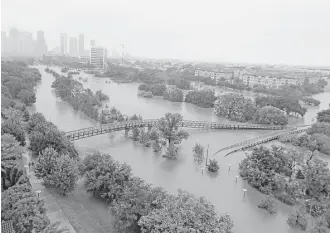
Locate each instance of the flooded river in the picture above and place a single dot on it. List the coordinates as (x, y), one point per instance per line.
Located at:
(220, 189)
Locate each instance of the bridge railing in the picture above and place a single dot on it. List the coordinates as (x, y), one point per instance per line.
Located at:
(269, 138)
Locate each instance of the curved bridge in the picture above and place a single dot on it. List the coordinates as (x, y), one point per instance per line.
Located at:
(262, 139)
(127, 125)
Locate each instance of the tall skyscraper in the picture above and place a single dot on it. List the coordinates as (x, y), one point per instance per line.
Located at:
(14, 41)
(93, 43)
(73, 49)
(4, 43)
(40, 44)
(26, 46)
(81, 45)
(99, 57)
(64, 43)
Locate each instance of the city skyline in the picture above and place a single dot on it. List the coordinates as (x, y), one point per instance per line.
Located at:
(276, 32)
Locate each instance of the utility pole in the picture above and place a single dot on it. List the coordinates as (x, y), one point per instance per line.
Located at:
(122, 55)
(207, 155)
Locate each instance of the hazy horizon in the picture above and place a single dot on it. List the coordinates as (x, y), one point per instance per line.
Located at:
(268, 32)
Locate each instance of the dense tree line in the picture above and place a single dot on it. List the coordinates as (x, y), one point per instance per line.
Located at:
(324, 116)
(292, 177)
(18, 81)
(317, 138)
(155, 89)
(43, 134)
(173, 94)
(141, 207)
(310, 101)
(261, 111)
(81, 99)
(203, 98)
(19, 202)
(286, 104)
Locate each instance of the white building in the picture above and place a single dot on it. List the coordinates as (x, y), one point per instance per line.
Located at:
(98, 57)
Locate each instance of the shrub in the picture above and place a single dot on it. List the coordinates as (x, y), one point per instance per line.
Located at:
(268, 203)
(213, 165)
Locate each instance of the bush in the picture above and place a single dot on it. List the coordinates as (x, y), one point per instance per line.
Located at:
(298, 219)
(268, 203)
(171, 151)
(213, 165)
(198, 152)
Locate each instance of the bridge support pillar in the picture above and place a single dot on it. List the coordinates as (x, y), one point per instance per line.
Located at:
(126, 132)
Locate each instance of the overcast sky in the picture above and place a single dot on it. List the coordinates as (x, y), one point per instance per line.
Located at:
(262, 31)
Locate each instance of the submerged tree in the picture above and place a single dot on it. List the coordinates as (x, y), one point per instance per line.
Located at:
(198, 152)
(268, 203)
(213, 166)
(168, 127)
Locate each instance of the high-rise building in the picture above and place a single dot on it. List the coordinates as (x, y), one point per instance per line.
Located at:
(40, 44)
(4, 43)
(98, 57)
(64, 42)
(93, 43)
(14, 41)
(26, 46)
(81, 45)
(73, 49)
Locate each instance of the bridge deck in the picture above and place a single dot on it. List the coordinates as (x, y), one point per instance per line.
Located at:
(261, 139)
(126, 125)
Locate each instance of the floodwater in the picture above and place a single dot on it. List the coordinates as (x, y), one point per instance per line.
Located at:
(221, 189)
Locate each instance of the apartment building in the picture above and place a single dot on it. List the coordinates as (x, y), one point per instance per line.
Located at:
(216, 75)
(98, 57)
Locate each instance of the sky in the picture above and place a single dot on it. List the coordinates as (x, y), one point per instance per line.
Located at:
(295, 32)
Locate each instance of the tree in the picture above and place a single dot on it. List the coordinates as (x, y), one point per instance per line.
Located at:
(173, 94)
(156, 146)
(138, 199)
(234, 107)
(154, 134)
(135, 134)
(185, 212)
(15, 128)
(21, 205)
(168, 127)
(202, 98)
(213, 166)
(198, 152)
(324, 116)
(45, 162)
(317, 179)
(321, 128)
(270, 115)
(64, 174)
(298, 219)
(171, 151)
(35, 118)
(268, 203)
(107, 178)
(27, 97)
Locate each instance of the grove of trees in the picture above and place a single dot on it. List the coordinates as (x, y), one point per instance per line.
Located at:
(142, 207)
(202, 98)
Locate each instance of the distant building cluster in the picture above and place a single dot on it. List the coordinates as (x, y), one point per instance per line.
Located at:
(252, 79)
(76, 46)
(21, 43)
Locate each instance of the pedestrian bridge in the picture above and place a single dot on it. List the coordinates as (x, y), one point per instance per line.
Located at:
(262, 139)
(127, 125)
